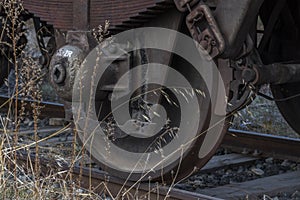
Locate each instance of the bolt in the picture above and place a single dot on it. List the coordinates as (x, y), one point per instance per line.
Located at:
(59, 73)
(213, 43)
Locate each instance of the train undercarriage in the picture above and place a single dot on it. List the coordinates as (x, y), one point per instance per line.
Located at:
(249, 42)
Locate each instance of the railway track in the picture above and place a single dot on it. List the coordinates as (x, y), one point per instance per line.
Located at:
(269, 145)
(266, 144)
(90, 176)
(102, 183)
(49, 109)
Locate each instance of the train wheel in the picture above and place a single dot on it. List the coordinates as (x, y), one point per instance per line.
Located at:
(288, 103)
(158, 129)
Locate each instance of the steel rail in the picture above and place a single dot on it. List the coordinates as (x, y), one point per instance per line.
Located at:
(102, 183)
(269, 145)
(140, 191)
(48, 109)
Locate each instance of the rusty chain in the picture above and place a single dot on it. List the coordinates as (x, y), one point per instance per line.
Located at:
(202, 26)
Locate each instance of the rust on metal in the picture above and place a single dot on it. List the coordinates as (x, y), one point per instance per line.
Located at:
(48, 109)
(89, 13)
(55, 12)
(275, 146)
(91, 178)
(81, 14)
(210, 37)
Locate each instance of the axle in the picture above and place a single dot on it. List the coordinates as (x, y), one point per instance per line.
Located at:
(277, 73)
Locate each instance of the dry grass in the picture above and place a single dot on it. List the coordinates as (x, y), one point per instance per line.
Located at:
(18, 181)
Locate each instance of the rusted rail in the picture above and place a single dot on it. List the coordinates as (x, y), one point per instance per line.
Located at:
(49, 109)
(270, 145)
(139, 191)
(102, 183)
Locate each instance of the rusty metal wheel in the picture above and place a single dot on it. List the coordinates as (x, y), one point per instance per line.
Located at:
(153, 129)
(144, 141)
